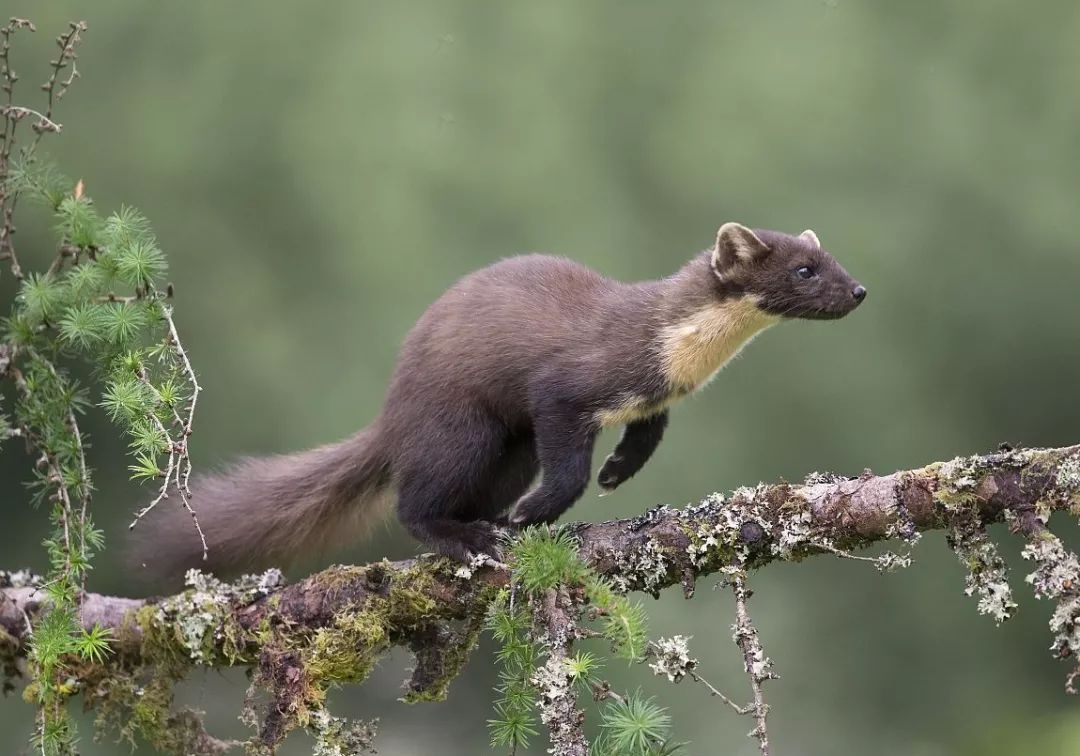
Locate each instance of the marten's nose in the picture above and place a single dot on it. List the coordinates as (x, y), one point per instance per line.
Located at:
(859, 292)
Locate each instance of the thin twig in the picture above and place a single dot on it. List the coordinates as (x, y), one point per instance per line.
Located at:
(177, 451)
(55, 89)
(673, 660)
(758, 666)
(18, 112)
(178, 468)
(192, 379)
(713, 691)
(110, 297)
(67, 44)
(55, 475)
(73, 426)
(7, 144)
(64, 252)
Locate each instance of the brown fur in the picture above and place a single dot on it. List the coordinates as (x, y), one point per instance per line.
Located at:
(513, 370)
(271, 510)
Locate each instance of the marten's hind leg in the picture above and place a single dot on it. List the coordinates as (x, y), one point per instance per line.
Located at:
(441, 481)
(456, 539)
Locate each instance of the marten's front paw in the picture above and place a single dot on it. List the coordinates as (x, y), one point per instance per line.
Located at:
(613, 473)
(533, 512)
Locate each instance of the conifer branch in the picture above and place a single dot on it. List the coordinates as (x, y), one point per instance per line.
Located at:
(366, 610)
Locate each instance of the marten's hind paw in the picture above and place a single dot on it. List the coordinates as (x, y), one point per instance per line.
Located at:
(460, 540)
(478, 538)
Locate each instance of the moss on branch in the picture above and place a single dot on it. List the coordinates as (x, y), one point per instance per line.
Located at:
(331, 628)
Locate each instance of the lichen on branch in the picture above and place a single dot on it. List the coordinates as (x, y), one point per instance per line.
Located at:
(331, 628)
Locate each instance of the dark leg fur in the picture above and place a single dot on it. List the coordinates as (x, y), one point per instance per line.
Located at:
(458, 478)
(639, 440)
(564, 445)
(455, 539)
(514, 472)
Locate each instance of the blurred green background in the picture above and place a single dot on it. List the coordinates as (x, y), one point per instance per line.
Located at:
(318, 173)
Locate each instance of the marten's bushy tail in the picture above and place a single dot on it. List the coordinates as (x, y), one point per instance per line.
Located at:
(269, 511)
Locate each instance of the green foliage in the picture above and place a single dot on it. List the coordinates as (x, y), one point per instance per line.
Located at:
(38, 182)
(77, 310)
(625, 622)
(99, 303)
(83, 325)
(41, 298)
(515, 720)
(634, 726)
(93, 644)
(541, 561)
(581, 667)
(126, 398)
(78, 222)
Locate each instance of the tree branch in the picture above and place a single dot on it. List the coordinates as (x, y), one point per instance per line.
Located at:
(331, 627)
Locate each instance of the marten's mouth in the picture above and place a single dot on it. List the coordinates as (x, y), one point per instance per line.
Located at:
(825, 314)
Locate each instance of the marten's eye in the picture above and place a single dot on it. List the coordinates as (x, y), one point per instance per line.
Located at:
(805, 272)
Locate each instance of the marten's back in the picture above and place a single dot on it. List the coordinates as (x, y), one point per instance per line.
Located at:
(494, 329)
(523, 308)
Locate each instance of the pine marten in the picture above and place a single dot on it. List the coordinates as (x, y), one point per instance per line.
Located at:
(512, 372)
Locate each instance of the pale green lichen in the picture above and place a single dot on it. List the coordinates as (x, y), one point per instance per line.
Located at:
(1065, 625)
(297, 664)
(336, 736)
(347, 650)
(715, 539)
(957, 480)
(987, 574)
(643, 568)
(718, 528)
(1067, 481)
(890, 561)
(794, 529)
(1057, 570)
(1068, 475)
(671, 657)
(552, 681)
(476, 561)
(300, 665)
(138, 704)
(190, 628)
(823, 478)
(1057, 577)
(206, 606)
(20, 579)
(723, 531)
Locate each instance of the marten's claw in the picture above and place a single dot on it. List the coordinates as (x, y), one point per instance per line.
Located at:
(611, 474)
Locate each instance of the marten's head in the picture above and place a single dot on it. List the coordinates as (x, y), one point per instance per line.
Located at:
(787, 276)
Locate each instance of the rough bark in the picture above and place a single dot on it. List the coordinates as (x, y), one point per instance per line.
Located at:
(290, 634)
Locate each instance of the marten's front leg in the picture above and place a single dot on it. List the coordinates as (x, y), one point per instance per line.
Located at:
(564, 444)
(639, 440)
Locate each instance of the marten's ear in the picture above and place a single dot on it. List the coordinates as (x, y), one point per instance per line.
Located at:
(811, 237)
(736, 245)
